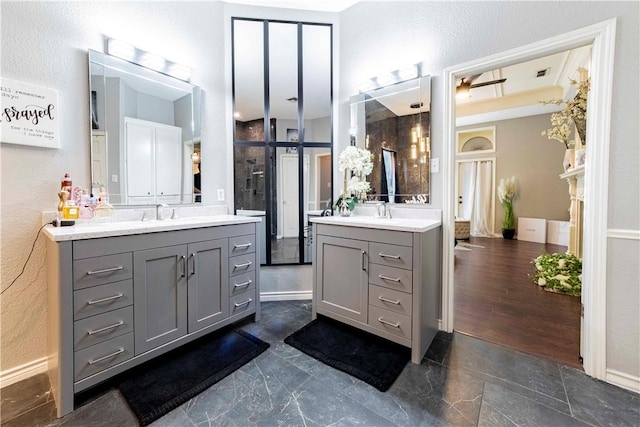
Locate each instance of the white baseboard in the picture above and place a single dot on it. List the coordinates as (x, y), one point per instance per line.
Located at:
(285, 296)
(22, 372)
(623, 380)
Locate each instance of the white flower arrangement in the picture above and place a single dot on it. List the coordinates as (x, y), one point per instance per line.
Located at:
(560, 273)
(356, 161)
(574, 113)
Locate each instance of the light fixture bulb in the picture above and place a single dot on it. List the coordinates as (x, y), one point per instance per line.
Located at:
(152, 61)
(121, 49)
(462, 91)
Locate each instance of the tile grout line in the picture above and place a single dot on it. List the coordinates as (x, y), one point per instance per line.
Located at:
(484, 383)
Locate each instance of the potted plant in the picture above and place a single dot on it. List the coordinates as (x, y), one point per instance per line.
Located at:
(507, 192)
(356, 164)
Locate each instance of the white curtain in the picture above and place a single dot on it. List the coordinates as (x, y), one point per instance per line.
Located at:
(480, 199)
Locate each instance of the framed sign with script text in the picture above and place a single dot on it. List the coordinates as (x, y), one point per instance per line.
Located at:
(28, 115)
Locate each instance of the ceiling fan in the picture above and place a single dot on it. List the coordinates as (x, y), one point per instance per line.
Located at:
(462, 91)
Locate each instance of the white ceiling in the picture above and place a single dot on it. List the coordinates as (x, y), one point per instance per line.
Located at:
(317, 5)
(523, 88)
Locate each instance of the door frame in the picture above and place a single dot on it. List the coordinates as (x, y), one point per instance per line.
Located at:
(492, 227)
(602, 37)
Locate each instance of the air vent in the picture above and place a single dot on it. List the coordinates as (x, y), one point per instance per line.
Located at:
(416, 105)
(542, 73)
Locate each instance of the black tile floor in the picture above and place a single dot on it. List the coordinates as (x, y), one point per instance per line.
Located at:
(462, 381)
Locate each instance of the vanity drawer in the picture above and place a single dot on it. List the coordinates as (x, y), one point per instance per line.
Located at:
(103, 327)
(391, 277)
(388, 321)
(99, 299)
(100, 270)
(242, 283)
(242, 245)
(242, 302)
(94, 359)
(398, 302)
(391, 255)
(242, 264)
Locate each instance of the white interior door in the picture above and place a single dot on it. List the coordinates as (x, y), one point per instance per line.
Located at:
(140, 159)
(465, 190)
(168, 149)
(289, 194)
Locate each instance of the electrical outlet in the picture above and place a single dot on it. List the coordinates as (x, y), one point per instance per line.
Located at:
(114, 178)
(435, 165)
(220, 194)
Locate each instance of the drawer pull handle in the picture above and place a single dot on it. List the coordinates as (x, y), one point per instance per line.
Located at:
(245, 265)
(100, 359)
(240, 304)
(389, 256)
(243, 284)
(98, 301)
(105, 270)
(390, 301)
(106, 328)
(391, 279)
(242, 246)
(395, 325)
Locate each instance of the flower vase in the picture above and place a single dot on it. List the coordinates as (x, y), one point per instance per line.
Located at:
(569, 159)
(344, 210)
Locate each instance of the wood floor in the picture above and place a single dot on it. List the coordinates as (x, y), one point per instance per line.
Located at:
(497, 302)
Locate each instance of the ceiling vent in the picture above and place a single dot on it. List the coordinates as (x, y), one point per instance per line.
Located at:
(542, 73)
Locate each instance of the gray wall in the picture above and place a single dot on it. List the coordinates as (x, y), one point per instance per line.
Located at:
(535, 161)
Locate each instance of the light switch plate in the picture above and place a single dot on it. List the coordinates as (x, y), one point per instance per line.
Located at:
(435, 165)
(220, 194)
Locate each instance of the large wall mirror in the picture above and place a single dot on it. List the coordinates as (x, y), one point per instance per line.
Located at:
(145, 134)
(393, 123)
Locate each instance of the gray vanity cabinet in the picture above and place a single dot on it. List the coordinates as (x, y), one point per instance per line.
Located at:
(208, 293)
(342, 277)
(160, 296)
(180, 289)
(385, 282)
(118, 301)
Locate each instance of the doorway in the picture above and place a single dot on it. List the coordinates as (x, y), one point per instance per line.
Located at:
(602, 35)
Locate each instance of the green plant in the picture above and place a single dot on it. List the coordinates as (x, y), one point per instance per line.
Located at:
(350, 202)
(560, 273)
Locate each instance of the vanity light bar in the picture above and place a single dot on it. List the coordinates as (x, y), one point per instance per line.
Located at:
(405, 73)
(148, 60)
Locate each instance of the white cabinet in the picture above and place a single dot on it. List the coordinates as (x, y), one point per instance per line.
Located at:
(153, 162)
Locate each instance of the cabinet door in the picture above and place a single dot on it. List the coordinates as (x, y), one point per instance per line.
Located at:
(160, 296)
(342, 277)
(140, 159)
(168, 161)
(208, 283)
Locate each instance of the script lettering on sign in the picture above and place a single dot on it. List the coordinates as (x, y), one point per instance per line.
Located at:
(28, 114)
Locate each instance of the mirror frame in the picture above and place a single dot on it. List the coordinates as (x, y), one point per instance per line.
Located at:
(360, 137)
(125, 67)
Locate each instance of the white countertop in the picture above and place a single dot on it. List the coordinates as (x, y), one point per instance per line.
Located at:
(125, 228)
(414, 225)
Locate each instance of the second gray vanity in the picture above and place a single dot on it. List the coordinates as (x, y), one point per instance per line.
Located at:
(380, 275)
(123, 293)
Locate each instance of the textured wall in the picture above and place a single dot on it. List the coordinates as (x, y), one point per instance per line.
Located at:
(382, 36)
(45, 44)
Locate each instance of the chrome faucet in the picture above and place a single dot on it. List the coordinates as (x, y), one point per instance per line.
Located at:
(160, 211)
(381, 210)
